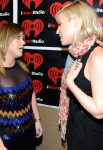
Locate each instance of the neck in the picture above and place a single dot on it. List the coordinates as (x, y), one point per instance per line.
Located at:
(8, 63)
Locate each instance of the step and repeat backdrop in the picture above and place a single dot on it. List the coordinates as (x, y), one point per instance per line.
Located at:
(43, 51)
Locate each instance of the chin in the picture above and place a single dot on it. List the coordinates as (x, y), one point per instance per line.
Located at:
(64, 44)
(20, 55)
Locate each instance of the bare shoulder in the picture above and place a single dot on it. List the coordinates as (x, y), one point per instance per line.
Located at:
(96, 57)
(95, 64)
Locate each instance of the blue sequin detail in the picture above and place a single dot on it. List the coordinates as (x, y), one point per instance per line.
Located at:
(16, 115)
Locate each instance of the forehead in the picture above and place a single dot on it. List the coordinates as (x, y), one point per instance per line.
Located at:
(62, 17)
(21, 33)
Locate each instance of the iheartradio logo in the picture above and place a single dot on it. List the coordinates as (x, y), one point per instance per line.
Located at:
(55, 7)
(3, 4)
(38, 86)
(28, 2)
(92, 1)
(35, 59)
(54, 73)
(3, 22)
(37, 26)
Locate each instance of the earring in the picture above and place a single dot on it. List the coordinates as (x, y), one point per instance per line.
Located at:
(4, 58)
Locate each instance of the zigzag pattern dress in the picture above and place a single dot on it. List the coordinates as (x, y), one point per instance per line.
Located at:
(16, 115)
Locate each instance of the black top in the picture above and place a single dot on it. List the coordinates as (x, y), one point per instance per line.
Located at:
(14, 76)
(85, 85)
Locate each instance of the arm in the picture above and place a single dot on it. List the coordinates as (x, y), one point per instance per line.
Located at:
(94, 105)
(2, 147)
(38, 125)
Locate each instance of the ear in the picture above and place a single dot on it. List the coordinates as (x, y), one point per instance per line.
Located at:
(75, 19)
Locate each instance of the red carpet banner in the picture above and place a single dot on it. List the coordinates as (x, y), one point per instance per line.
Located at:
(43, 51)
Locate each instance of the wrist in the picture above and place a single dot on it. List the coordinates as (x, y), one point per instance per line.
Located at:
(38, 120)
(70, 83)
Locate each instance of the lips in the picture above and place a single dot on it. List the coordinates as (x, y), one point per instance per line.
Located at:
(60, 37)
(21, 48)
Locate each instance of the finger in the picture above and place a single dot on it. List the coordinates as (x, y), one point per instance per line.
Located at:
(38, 133)
(73, 65)
(78, 66)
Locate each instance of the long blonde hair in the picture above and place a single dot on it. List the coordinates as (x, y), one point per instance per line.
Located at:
(8, 32)
(88, 23)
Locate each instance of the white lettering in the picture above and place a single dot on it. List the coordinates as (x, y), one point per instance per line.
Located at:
(99, 10)
(39, 12)
(37, 73)
(5, 14)
(39, 99)
(38, 41)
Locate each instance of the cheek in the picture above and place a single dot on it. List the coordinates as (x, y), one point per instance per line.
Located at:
(67, 31)
(68, 38)
(70, 33)
(67, 35)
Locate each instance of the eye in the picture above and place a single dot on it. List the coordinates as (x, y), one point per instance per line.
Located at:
(18, 37)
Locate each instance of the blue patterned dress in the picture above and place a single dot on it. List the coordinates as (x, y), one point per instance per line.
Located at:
(16, 115)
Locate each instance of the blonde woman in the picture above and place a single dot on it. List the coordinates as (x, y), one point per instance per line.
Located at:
(82, 110)
(19, 117)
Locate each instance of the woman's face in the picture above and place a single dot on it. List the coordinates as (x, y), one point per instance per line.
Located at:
(15, 49)
(65, 29)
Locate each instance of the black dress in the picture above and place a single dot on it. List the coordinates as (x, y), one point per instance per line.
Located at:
(84, 132)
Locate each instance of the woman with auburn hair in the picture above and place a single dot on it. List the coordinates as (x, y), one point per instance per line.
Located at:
(20, 122)
(81, 97)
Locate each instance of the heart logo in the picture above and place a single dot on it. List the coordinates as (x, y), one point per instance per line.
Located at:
(54, 73)
(37, 86)
(27, 3)
(37, 26)
(36, 59)
(3, 3)
(55, 7)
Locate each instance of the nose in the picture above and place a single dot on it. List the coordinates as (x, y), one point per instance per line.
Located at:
(23, 42)
(57, 31)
